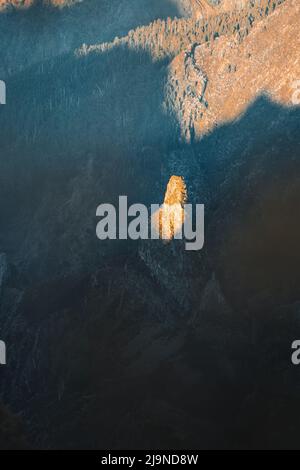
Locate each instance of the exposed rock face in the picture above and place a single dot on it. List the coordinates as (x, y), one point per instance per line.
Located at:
(167, 260)
(191, 103)
(170, 218)
(215, 83)
(176, 192)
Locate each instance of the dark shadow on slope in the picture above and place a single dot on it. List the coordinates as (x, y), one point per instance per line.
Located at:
(107, 359)
(253, 169)
(40, 33)
(84, 131)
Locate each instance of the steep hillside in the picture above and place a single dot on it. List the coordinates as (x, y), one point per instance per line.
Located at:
(167, 38)
(35, 35)
(215, 83)
(123, 344)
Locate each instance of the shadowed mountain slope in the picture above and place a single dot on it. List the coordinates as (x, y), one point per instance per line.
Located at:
(42, 32)
(127, 345)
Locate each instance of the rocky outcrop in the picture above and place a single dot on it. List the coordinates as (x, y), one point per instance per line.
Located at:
(173, 268)
(190, 102)
(168, 220)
